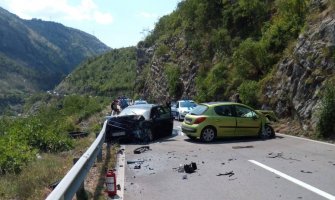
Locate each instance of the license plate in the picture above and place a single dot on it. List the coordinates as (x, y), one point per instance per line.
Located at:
(121, 133)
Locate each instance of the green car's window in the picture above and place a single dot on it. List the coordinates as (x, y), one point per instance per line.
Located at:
(244, 112)
(223, 110)
(199, 110)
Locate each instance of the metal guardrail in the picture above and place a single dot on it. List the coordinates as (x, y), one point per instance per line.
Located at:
(72, 181)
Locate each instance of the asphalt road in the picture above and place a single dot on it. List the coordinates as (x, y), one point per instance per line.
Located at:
(282, 168)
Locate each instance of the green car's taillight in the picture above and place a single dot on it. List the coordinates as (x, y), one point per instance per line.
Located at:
(199, 120)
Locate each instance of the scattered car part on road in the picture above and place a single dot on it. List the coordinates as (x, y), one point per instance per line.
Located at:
(190, 168)
(275, 155)
(307, 172)
(231, 173)
(280, 155)
(134, 161)
(141, 149)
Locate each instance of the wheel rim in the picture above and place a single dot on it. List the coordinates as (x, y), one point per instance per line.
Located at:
(267, 132)
(208, 134)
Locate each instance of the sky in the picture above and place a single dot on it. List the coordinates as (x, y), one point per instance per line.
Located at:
(117, 23)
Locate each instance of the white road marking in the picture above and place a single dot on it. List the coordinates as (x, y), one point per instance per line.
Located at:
(306, 139)
(296, 181)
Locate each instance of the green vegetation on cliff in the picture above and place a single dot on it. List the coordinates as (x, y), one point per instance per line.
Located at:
(232, 41)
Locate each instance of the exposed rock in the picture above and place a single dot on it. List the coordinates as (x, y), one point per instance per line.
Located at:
(300, 77)
(156, 87)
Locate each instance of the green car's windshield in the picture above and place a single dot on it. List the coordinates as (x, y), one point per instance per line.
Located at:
(199, 110)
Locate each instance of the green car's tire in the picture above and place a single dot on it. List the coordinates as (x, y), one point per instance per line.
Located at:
(208, 134)
(267, 132)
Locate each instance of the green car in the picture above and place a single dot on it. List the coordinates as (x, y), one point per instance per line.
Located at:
(208, 121)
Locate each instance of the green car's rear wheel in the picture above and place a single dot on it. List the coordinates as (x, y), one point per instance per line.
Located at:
(208, 134)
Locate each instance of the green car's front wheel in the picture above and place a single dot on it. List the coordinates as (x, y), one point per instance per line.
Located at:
(267, 132)
(208, 134)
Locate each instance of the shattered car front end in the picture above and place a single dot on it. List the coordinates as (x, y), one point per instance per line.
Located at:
(140, 123)
(129, 127)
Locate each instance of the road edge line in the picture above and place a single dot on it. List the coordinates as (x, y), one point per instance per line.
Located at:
(307, 139)
(294, 180)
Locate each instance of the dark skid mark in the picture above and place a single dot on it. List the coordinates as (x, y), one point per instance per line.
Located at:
(307, 172)
(242, 147)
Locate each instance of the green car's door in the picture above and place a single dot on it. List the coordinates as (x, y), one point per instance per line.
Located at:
(247, 121)
(224, 120)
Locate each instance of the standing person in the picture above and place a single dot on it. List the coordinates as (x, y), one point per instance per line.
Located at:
(237, 98)
(123, 103)
(114, 107)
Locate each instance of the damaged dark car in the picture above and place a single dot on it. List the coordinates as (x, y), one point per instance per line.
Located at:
(140, 123)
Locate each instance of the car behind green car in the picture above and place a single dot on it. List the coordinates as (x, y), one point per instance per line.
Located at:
(212, 120)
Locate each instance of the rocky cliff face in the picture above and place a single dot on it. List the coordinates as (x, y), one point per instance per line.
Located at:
(155, 84)
(296, 86)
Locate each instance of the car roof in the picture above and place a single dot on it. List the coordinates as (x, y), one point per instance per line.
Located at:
(143, 106)
(222, 103)
(186, 101)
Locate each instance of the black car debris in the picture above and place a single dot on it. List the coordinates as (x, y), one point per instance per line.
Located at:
(140, 123)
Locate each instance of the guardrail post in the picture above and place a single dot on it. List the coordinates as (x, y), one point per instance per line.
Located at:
(81, 193)
(99, 156)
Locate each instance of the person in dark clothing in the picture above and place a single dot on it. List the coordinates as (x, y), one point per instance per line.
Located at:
(114, 107)
(237, 98)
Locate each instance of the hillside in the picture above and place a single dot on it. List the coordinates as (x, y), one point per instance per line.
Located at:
(111, 74)
(35, 55)
(278, 54)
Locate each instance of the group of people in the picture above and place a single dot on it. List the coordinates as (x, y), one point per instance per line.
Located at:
(118, 105)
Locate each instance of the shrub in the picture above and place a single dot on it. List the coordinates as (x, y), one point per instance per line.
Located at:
(174, 82)
(250, 60)
(162, 50)
(326, 123)
(248, 93)
(14, 154)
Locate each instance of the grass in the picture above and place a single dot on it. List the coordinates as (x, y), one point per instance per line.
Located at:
(292, 127)
(34, 181)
